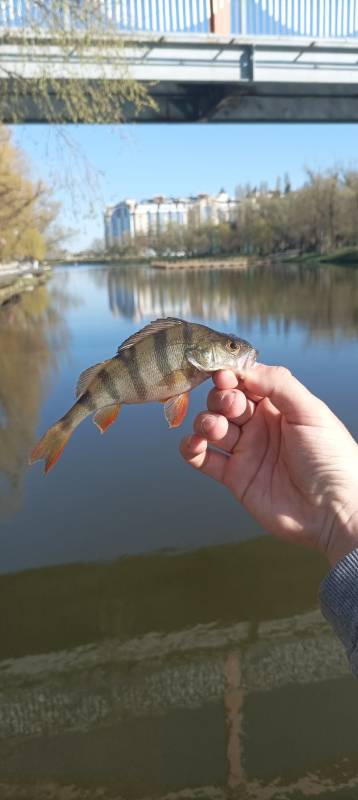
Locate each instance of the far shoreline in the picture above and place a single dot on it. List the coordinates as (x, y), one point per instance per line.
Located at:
(347, 257)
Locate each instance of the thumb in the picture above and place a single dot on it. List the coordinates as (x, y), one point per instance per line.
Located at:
(285, 392)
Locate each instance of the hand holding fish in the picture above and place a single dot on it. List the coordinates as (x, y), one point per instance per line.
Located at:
(286, 457)
(162, 362)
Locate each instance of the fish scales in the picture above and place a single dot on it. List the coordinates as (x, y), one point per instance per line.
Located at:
(164, 362)
(157, 358)
(109, 388)
(135, 374)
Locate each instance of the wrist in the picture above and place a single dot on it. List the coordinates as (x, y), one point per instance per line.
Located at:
(344, 535)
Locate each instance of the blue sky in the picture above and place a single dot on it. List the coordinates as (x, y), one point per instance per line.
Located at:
(93, 166)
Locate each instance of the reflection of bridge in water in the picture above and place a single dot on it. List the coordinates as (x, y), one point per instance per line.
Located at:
(174, 687)
(161, 698)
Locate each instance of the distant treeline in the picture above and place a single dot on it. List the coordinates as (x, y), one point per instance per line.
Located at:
(320, 217)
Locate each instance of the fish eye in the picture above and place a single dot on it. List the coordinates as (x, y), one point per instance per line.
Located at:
(232, 345)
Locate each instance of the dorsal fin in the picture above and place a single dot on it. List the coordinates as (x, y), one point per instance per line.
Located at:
(148, 330)
(87, 376)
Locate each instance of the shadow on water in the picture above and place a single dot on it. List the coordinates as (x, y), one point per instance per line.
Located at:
(204, 673)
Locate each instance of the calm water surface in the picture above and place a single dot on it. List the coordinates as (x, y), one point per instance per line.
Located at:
(154, 642)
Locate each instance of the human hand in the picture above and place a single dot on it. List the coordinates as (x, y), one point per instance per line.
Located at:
(285, 456)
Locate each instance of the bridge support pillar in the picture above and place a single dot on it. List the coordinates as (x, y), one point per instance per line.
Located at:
(220, 17)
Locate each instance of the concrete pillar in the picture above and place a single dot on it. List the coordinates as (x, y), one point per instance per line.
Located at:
(220, 17)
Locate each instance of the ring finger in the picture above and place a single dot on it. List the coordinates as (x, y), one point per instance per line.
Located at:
(232, 403)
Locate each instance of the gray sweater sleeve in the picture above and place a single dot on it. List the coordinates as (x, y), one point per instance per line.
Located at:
(339, 604)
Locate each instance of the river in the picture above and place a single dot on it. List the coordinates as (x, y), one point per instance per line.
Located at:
(155, 643)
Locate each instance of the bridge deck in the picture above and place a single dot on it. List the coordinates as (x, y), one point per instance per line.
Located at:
(202, 77)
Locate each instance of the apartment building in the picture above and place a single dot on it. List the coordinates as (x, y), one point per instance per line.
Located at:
(131, 218)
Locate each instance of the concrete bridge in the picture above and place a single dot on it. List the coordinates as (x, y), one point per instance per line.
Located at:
(203, 60)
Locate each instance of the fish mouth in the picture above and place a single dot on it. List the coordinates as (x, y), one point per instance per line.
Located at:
(244, 364)
(247, 363)
(252, 358)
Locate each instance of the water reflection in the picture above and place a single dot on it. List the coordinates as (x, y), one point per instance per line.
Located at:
(322, 299)
(29, 329)
(201, 673)
(192, 691)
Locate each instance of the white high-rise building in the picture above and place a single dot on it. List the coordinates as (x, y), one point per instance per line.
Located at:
(208, 210)
(130, 218)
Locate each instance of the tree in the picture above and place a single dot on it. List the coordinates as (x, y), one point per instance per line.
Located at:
(286, 183)
(77, 36)
(26, 208)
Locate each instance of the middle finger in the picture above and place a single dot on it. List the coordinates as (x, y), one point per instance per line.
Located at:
(232, 403)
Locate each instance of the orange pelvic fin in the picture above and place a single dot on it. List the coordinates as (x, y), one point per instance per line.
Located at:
(51, 446)
(106, 416)
(175, 409)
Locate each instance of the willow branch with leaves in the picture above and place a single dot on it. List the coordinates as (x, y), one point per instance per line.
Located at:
(75, 69)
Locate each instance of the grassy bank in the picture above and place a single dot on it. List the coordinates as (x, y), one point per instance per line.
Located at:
(345, 257)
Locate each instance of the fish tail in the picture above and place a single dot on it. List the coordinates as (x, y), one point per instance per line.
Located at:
(54, 441)
(52, 445)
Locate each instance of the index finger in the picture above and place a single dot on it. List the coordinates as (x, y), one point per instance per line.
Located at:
(225, 379)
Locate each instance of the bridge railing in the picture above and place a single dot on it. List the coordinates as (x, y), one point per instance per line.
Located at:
(314, 18)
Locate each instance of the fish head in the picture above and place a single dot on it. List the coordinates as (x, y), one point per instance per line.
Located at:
(222, 351)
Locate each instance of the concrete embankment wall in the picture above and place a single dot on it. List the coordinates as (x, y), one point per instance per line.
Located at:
(16, 278)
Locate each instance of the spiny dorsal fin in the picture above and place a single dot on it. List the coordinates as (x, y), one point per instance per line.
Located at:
(87, 376)
(153, 327)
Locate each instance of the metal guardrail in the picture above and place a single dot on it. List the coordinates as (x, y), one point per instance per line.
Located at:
(314, 18)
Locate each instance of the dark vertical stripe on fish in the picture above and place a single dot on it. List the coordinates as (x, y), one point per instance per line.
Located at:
(129, 356)
(161, 353)
(187, 335)
(108, 384)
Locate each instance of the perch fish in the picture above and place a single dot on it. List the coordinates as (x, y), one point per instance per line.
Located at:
(164, 361)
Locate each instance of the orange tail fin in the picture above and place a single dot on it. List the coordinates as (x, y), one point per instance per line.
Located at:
(51, 446)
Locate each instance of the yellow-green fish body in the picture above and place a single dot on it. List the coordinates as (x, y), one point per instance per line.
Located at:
(162, 362)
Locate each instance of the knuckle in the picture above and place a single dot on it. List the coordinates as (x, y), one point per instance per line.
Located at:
(283, 372)
(281, 375)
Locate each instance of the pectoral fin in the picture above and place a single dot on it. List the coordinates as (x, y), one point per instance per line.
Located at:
(175, 409)
(106, 416)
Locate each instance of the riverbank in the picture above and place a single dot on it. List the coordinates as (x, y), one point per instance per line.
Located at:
(347, 257)
(18, 278)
